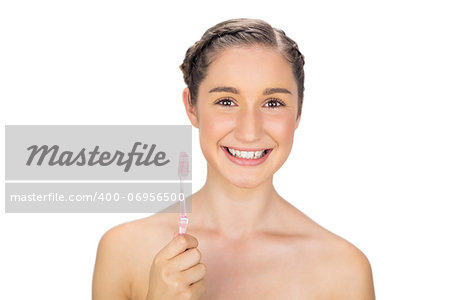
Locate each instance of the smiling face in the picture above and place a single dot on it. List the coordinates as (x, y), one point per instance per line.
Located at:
(246, 113)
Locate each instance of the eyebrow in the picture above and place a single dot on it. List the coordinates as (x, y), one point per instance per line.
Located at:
(233, 90)
(276, 90)
(227, 89)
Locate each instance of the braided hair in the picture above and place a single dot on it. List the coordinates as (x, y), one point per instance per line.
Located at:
(239, 32)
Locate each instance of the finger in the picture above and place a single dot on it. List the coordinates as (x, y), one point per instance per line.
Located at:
(198, 288)
(178, 245)
(194, 274)
(186, 260)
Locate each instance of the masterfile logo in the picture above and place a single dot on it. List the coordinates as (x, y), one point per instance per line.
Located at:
(68, 158)
(98, 168)
(97, 152)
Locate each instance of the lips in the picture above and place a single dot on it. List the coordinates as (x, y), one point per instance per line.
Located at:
(247, 161)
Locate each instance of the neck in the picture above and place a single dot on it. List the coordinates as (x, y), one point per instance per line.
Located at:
(232, 211)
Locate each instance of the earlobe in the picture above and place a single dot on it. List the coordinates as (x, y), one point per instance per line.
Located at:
(190, 109)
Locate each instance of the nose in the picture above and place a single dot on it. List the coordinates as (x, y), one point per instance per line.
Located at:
(249, 125)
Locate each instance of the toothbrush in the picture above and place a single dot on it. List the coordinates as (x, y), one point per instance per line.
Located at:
(183, 171)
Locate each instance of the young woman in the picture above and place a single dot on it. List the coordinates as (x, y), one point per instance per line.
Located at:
(244, 93)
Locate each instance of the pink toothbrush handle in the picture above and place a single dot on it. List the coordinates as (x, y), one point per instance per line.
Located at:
(182, 224)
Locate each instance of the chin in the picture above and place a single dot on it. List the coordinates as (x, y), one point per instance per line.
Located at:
(246, 183)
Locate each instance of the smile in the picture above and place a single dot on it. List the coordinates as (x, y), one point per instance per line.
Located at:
(248, 157)
(247, 154)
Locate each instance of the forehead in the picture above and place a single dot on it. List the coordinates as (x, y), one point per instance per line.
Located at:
(250, 67)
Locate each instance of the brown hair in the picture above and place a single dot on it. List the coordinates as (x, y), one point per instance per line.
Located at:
(238, 32)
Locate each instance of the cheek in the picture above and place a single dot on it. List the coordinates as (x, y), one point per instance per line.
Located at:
(214, 126)
(282, 129)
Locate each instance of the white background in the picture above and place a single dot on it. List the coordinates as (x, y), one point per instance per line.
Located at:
(371, 156)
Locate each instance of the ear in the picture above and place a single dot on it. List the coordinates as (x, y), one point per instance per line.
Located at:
(190, 109)
(298, 121)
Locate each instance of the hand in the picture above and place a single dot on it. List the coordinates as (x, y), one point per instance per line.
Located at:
(176, 271)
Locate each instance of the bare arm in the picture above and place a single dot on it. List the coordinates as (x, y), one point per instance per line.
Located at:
(110, 280)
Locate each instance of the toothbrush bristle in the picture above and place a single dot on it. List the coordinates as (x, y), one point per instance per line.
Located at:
(183, 165)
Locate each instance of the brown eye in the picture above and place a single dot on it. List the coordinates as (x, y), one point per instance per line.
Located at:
(225, 102)
(274, 103)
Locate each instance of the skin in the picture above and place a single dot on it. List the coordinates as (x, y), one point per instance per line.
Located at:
(244, 240)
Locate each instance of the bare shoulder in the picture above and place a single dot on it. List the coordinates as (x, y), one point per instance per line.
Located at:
(125, 250)
(348, 271)
(343, 269)
(337, 267)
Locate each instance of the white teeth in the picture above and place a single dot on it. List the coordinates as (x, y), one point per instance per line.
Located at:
(246, 154)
